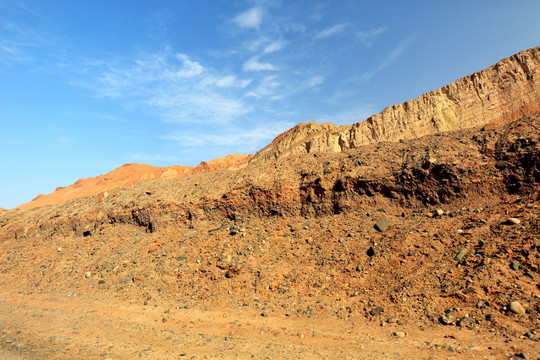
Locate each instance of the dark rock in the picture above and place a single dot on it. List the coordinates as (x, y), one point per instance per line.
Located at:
(514, 265)
(370, 252)
(465, 321)
(382, 225)
(376, 310)
(447, 319)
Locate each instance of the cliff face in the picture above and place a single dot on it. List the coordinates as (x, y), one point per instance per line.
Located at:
(502, 92)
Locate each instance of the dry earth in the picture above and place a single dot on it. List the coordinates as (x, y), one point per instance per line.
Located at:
(328, 244)
(286, 261)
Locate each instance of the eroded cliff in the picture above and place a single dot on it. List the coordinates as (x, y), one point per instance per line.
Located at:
(501, 93)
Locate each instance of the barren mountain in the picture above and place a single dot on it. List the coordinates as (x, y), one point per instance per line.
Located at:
(414, 234)
(130, 174)
(502, 92)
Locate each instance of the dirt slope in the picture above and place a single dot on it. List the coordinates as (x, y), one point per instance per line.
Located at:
(420, 248)
(130, 174)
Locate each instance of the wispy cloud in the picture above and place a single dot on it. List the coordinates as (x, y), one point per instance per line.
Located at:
(253, 64)
(177, 87)
(316, 80)
(367, 37)
(255, 137)
(231, 81)
(141, 157)
(351, 116)
(336, 29)
(251, 18)
(275, 46)
(393, 56)
(266, 88)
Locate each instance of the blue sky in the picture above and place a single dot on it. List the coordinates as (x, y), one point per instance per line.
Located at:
(86, 86)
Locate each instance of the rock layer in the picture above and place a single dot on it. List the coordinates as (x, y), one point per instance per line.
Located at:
(502, 92)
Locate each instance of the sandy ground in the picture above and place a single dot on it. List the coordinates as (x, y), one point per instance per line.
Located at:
(78, 327)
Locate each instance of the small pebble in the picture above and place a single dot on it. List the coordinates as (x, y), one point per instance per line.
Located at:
(376, 310)
(399, 334)
(513, 221)
(516, 308)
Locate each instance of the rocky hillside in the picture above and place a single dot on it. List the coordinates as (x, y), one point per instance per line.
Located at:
(502, 92)
(433, 240)
(130, 174)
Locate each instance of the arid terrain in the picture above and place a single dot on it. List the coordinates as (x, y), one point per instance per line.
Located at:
(413, 234)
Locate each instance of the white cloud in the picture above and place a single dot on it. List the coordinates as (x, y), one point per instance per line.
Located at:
(253, 138)
(360, 113)
(231, 81)
(251, 18)
(393, 56)
(366, 37)
(253, 64)
(178, 88)
(266, 88)
(316, 81)
(330, 31)
(275, 46)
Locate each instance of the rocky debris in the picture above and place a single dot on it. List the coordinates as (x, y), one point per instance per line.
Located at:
(514, 265)
(399, 334)
(516, 308)
(304, 245)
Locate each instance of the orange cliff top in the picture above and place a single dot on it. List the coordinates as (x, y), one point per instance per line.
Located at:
(127, 175)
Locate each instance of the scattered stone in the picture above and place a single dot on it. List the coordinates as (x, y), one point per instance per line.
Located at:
(522, 355)
(512, 221)
(440, 212)
(164, 320)
(460, 255)
(514, 265)
(370, 252)
(382, 225)
(490, 317)
(59, 249)
(529, 274)
(391, 320)
(465, 321)
(516, 308)
(399, 334)
(376, 311)
(447, 319)
(101, 281)
(429, 215)
(87, 274)
(232, 272)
